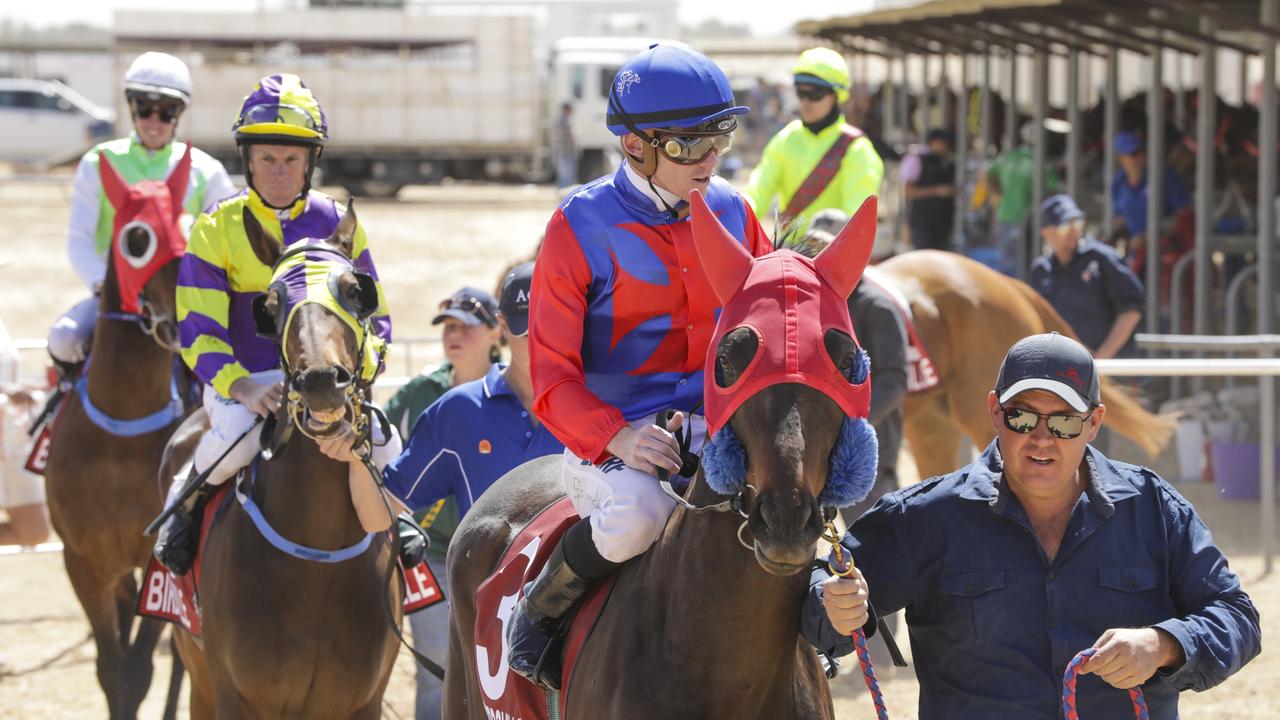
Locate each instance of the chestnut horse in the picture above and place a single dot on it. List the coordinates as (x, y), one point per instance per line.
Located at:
(700, 626)
(110, 433)
(283, 634)
(968, 316)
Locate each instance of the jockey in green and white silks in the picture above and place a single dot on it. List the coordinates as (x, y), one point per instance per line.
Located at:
(158, 90)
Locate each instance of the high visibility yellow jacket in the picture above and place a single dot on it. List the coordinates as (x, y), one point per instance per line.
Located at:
(794, 152)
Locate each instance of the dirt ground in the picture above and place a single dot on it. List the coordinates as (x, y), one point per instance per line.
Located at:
(430, 242)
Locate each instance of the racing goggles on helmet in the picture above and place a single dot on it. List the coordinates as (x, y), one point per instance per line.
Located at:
(277, 119)
(689, 147)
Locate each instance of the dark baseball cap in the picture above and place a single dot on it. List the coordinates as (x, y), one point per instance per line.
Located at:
(1054, 363)
(513, 301)
(1059, 210)
(472, 306)
(1128, 143)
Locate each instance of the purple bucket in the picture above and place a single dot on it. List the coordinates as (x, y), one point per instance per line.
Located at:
(1236, 469)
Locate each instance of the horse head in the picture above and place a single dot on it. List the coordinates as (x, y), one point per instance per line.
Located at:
(317, 308)
(147, 245)
(787, 388)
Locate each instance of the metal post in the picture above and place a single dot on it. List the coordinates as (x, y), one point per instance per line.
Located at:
(962, 156)
(1111, 120)
(1011, 102)
(904, 101)
(1206, 121)
(1073, 117)
(1266, 274)
(1180, 100)
(926, 95)
(984, 108)
(1041, 85)
(887, 102)
(1155, 188)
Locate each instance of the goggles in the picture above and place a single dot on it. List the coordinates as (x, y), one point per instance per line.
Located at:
(812, 93)
(472, 306)
(1064, 426)
(167, 112)
(690, 148)
(275, 115)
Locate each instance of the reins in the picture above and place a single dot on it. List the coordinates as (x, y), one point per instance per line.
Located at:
(689, 468)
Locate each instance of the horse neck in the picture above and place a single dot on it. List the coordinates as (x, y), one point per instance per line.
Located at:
(130, 374)
(307, 498)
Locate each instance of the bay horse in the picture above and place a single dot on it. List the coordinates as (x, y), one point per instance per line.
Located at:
(110, 433)
(283, 634)
(967, 316)
(705, 625)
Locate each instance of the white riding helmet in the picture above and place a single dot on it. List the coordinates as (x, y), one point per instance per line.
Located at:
(159, 73)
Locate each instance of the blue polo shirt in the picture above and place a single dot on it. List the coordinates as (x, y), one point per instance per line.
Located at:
(465, 441)
(993, 623)
(1130, 202)
(1089, 291)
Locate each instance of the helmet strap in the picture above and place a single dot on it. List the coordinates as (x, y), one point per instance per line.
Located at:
(313, 155)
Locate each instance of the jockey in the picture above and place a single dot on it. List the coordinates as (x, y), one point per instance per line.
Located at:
(281, 132)
(158, 89)
(817, 161)
(620, 324)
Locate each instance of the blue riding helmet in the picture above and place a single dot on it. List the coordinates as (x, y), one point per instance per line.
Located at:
(669, 86)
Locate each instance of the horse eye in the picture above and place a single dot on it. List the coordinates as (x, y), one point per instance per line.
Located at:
(734, 354)
(843, 352)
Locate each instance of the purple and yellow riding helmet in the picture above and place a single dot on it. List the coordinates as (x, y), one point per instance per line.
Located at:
(281, 110)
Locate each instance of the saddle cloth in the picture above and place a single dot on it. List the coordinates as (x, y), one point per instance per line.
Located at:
(505, 694)
(177, 599)
(922, 374)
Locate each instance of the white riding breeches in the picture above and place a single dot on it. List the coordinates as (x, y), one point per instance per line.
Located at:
(228, 420)
(627, 508)
(71, 334)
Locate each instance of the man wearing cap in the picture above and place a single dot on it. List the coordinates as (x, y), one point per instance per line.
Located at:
(817, 161)
(1083, 279)
(473, 435)
(1129, 189)
(930, 184)
(1042, 548)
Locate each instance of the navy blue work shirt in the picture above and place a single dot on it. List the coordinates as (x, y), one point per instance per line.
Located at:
(993, 623)
(464, 442)
(1130, 202)
(1090, 291)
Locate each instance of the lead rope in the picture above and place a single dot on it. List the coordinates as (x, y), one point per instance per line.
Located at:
(838, 567)
(1069, 689)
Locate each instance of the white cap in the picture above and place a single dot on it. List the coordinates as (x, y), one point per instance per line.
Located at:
(162, 73)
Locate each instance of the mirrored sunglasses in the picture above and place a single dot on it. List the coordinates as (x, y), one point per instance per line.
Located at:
(692, 149)
(1065, 426)
(1076, 225)
(470, 305)
(166, 111)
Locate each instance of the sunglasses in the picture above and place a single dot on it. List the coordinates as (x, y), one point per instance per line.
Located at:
(1064, 426)
(167, 112)
(1077, 225)
(812, 93)
(470, 305)
(692, 149)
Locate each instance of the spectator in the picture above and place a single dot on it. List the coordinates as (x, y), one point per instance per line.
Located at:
(1039, 549)
(931, 190)
(470, 336)
(1129, 189)
(21, 493)
(1083, 279)
(1011, 183)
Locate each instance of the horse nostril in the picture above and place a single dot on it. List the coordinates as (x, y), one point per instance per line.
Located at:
(319, 380)
(342, 377)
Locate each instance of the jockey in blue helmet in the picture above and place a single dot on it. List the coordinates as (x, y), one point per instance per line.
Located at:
(621, 315)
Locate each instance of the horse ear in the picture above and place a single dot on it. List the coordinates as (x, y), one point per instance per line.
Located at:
(265, 247)
(114, 186)
(177, 183)
(842, 262)
(723, 258)
(344, 236)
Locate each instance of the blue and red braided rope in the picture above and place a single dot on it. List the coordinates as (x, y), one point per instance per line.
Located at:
(1069, 689)
(837, 567)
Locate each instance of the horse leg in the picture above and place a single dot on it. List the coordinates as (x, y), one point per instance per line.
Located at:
(176, 671)
(98, 598)
(138, 663)
(202, 693)
(126, 608)
(931, 433)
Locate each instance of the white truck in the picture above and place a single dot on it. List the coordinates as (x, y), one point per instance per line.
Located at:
(45, 123)
(409, 97)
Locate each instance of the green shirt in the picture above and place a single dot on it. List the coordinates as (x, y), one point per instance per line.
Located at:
(403, 410)
(1015, 172)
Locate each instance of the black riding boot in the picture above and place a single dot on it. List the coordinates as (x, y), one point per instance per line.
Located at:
(534, 636)
(179, 536)
(414, 541)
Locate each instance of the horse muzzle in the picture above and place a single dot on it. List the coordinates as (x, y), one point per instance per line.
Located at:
(786, 526)
(325, 396)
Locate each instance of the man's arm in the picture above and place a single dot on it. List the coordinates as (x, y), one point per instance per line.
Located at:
(762, 188)
(82, 228)
(427, 470)
(1120, 332)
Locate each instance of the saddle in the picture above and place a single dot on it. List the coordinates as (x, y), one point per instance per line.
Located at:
(506, 694)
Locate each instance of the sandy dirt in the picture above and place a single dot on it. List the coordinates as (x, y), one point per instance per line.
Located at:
(426, 245)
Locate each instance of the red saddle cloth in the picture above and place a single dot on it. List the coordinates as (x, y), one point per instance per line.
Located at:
(505, 694)
(922, 374)
(177, 599)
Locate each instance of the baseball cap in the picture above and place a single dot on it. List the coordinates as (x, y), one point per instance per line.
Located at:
(513, 301)
(472, 306)
(1059, 210)
(1050, 362)
(1128, 143)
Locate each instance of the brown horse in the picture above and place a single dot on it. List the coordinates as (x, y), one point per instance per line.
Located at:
(968, 316)
(702, 625)
(110, 434)
(284, 636)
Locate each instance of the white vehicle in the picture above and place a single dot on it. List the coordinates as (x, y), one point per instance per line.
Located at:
(44, 122)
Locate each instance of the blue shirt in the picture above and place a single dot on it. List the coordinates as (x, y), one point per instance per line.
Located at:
(1090, 291)
(993, 623)
(1130, 202)
(464, 442)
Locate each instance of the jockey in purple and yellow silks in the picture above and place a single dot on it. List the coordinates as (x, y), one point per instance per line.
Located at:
(280, 131)
(621, 315)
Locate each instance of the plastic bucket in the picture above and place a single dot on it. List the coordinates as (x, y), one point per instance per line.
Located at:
(1236, 469)
(1189, 442)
